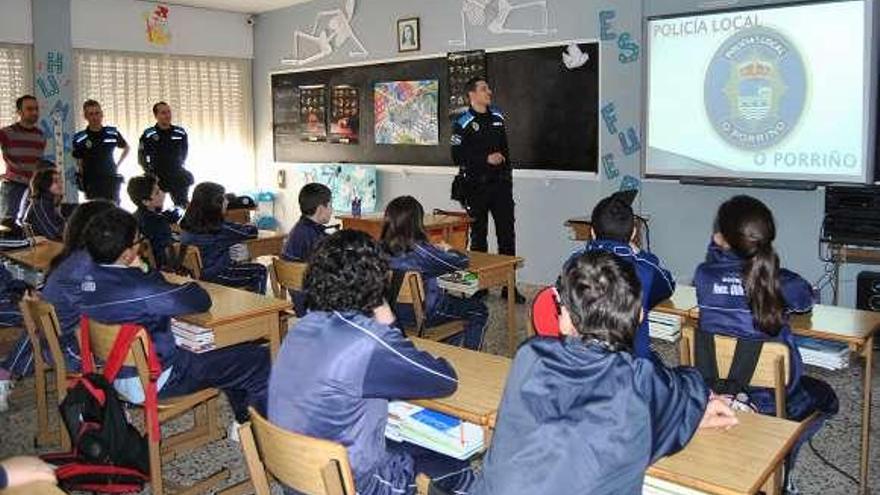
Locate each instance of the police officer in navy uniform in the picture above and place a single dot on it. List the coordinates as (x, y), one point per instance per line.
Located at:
(479, 149)
(93, 148)
(162, 152)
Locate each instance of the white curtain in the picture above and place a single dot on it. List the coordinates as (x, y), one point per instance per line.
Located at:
(16, 79)
(210, 97)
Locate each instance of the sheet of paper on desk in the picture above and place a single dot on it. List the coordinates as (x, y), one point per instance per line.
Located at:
(824, 354)
(655, 486)
(433, 430)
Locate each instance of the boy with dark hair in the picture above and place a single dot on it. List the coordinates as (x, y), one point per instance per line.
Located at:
(315, 207)
(343, 362)
(153, 223)
(117, 290)
(595, 416)
(613, 230)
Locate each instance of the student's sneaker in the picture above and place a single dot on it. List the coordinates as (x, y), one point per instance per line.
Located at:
(232, 432)
(5, 390)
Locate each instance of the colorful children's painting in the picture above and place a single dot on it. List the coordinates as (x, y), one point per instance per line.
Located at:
(405, 112)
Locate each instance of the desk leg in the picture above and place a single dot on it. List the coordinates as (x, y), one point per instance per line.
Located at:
(866, 414)
(274, 337)
(511, 311)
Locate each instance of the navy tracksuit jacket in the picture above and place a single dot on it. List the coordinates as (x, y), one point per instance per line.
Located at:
(577, 418)
(118, 294)
(657, 284)
(299, 246)
(218, 265)
(45, 218)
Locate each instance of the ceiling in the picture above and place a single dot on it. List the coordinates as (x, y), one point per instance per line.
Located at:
(244, 6)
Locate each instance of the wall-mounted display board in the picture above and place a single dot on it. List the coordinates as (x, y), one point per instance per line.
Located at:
(398, 112)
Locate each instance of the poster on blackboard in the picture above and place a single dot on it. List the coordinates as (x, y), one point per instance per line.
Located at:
(313, 112)
(405, 112)
(344, 114)
(461, 67)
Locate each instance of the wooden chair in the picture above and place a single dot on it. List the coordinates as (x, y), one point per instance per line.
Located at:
(770, 372)
(412, 291)
(41, 324)
(310, 465)
(192, 259)
(145, 251)
(204, 404)
(313, 466)
(286, 275)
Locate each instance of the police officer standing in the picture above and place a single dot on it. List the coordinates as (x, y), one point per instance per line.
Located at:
(93, 148)
(479, 149)
(162, 152)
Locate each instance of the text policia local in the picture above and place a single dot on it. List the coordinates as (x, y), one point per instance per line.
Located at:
(693, 26)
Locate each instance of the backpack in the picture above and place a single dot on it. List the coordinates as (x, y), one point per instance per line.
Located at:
(109, 454)
(742, 368)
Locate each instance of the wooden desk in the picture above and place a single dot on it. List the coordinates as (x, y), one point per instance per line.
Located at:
(682, 302)
(853, 327)
(451, 229)
(239, 215)
(39, 488)
(580, 228)
(37, 257)
(238, 316)
(267, 243)
(481, 380)
(737, 461)
(498, 270)
(857, 329)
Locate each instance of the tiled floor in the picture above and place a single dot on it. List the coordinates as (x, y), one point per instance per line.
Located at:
(838, 441)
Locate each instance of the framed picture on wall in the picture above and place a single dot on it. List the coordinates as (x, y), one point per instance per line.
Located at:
(408, 35)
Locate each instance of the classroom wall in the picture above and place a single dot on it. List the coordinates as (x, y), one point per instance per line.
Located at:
(121, 25)
(681, 216)
(15, 22)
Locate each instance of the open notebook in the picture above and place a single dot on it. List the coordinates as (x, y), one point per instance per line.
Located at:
(432, 430)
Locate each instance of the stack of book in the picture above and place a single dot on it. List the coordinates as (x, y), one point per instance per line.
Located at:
(192, 337)
(664, 326)
(824, 354)
(461, 281)
(433, 430)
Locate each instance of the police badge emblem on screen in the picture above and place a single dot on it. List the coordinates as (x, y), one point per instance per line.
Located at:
(755, 88)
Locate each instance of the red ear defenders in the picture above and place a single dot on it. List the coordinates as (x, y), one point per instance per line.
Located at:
(546, 310)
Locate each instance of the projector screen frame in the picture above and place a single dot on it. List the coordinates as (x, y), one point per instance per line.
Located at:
(870, 152)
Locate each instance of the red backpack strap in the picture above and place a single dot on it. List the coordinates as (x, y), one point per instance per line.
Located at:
(85, 346)
(127, 334)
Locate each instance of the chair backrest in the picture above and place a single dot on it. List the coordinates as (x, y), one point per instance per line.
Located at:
(286, 275)
(309, 465)
(41, 322)
(770, 372)
(145, 251)
(412, 291)
(192, 259)
(102, 337)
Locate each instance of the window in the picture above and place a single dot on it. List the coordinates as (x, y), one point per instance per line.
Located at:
(16, 79)
(209, 97)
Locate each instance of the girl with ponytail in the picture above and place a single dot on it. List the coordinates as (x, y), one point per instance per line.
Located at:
(743, 292)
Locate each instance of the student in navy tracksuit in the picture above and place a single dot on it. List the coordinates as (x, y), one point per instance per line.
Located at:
(204, 227)
(118, 290)
(404, 237)
(343, 362)
(153, 223)
(743, 293)
(613, 230)
(43, 212)
(316, 209)
(580, 414)
(11, 291)
(62, 290)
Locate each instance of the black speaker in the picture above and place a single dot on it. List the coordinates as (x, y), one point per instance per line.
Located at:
(868, 291)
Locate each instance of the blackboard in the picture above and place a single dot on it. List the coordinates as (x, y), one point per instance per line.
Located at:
(551, 111)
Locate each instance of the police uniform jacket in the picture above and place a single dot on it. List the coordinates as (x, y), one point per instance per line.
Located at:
(163, 151)
(475, 136)
(95, 149)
